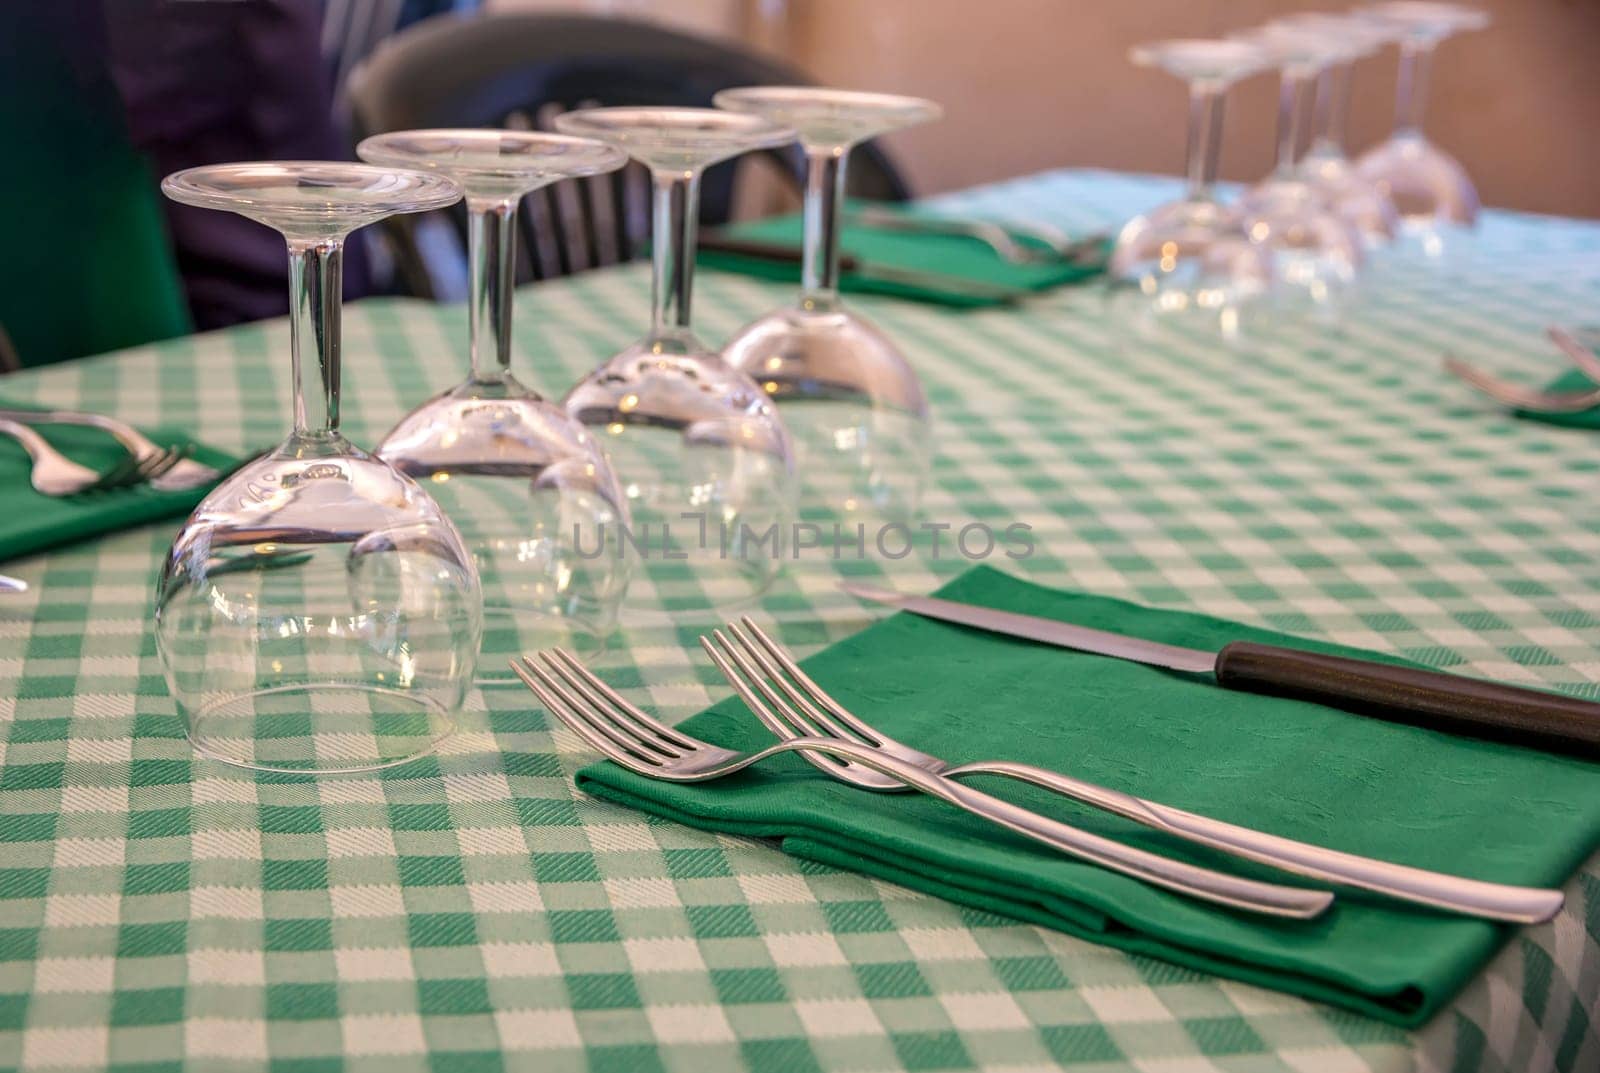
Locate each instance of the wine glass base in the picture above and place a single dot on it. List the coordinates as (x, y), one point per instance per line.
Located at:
(319, 729)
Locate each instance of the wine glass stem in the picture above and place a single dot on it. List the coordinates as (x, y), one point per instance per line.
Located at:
(672, 236)
(491, 249)
(1332, 109)
(1205, 137)
(316, 271)
(819, 273)
(1291, 97)
(1411, 93)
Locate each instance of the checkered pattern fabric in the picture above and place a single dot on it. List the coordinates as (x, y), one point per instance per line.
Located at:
(469, 912)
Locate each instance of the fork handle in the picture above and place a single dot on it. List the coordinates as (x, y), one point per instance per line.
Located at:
(1206, 884)
(35, 445)
(132, 440)
(1469, 897)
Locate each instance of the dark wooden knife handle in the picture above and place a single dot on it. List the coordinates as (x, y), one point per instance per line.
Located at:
(1433, 699)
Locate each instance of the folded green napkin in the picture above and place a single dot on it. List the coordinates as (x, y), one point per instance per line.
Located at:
(1571, 380)
(1469, 807)
(953, 255)
(31, 522)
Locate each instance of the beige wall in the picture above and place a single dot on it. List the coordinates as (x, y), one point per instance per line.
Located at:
(1031, 84)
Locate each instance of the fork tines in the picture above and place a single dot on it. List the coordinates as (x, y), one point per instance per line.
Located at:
(596, 712)
(805, 706)
(132, 470)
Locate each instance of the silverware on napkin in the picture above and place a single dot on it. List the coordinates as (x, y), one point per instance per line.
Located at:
(943, 282)
(183, 474)
(1431, 699)
(645, 746)
(793, 706)
(1535, 400)
(54, 474)
(1001, 237)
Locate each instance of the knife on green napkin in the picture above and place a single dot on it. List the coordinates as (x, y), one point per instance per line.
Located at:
(31, 522)
(1294, 768)
(989, 279)
(1450, 703)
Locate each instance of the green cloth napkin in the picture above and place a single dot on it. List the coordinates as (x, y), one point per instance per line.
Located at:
(31, 522)
(1469, 807)
(1571, 380)
(953, 255)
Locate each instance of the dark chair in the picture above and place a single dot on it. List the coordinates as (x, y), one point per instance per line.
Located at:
(518, 71)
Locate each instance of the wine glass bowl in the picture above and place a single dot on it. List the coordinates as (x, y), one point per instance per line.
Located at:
(317, 613)
(850, 397)
(535, 497)
(705, 463)
(1431, 190)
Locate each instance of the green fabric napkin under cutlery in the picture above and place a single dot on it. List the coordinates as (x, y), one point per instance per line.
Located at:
(32, 522)
(957, 256)
(1293, 768)
(1569, 381)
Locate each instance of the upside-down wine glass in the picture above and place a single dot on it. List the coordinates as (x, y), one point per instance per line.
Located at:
(1325, 164)
(1316, 252)
(317, 613)
(1189, 261)
(528, 486)
(1429, 187)
(704, 459)
(851, 400)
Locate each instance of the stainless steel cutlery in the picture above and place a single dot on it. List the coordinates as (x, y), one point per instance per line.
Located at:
(791, 705)
(54, 474)
(1535, 400)
(811, 722)
(646, 746)
(166, 469)
(1433, 699)
(1047, 244)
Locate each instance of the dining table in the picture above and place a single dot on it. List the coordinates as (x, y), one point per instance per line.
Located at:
(472, 911)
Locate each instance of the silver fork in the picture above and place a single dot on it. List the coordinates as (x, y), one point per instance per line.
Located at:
(999, 237)
(185, 473)
(790, 704)
(54, 474)
(1527, 398)
(648, 747)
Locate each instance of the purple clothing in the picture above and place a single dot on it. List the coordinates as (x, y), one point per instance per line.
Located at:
(216, 81)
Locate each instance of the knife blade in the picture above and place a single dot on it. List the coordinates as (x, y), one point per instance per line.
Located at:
(784, 253)
(1432, 699)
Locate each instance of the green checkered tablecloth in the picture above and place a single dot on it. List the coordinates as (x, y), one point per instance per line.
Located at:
(470, 912)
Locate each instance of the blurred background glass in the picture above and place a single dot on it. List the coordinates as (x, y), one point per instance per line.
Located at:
(119, 92)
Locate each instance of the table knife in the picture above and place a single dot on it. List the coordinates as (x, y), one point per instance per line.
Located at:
(943, 282)
(1432, 699)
